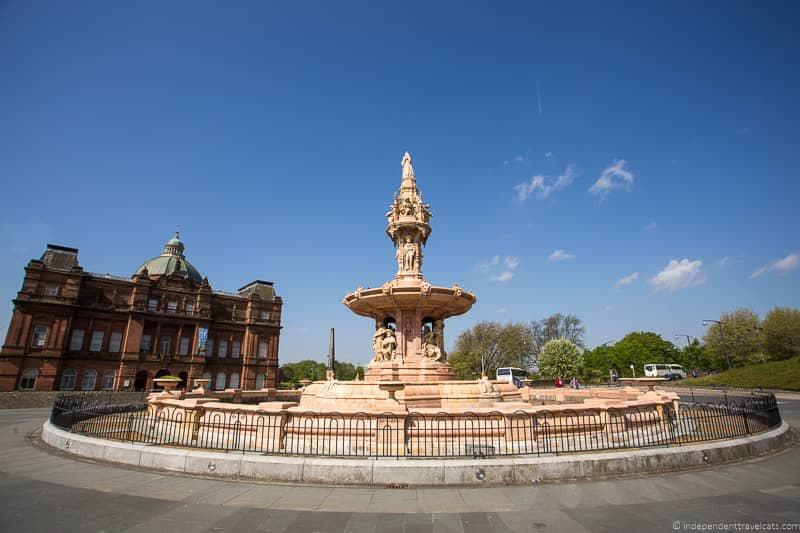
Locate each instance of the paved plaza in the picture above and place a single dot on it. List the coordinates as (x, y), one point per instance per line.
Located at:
(42, 491)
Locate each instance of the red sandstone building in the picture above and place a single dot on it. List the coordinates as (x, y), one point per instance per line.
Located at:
(76, 330)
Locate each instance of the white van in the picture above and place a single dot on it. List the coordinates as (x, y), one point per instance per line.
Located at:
(664, 371)
(512, 375)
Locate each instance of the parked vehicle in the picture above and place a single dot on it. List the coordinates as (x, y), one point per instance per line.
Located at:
(670, 372)
(512, 375)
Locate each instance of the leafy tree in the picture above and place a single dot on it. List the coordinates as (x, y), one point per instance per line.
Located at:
(781, 333)
(697, 356)
(344, 371)
(487, 346)
(596, 364)
(556, 326)
(294, 373)
(560, 358)
(640, 348)
(738, 337)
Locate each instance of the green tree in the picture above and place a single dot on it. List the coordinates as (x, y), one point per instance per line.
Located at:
(738, 337)
(696, 356)
(294, 373)
(781, 333)
(596, 364)
(640, 348)
(487, 346)
(344, 371)
(560, 358)
(556, 326)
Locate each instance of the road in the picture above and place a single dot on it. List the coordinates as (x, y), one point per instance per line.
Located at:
(43, 491)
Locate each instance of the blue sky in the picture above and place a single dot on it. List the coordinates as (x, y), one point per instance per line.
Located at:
(564, 151)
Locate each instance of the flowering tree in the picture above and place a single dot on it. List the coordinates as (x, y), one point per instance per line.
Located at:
(560, 358)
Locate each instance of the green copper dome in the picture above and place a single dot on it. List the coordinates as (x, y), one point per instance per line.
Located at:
(171, 261)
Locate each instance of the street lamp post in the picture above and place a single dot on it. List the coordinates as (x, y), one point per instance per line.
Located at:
(688, 338)
(722, 334)
(608, 363)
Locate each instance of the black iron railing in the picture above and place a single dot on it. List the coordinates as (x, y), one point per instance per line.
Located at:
(440, 435)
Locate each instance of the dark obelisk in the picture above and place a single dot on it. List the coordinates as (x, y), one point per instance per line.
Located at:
(331, 356)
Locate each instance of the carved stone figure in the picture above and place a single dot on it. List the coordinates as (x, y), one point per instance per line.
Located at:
(377, 343)
(409, 254)
(407, 207)
(408, 167)
(430, 345)
(389, 345)
(486, 386)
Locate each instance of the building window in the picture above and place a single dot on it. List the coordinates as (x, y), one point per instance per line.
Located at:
(183, 349)
(147, 341)
(28, 379)
(152, 304)
(190, 308)
(76, 343)
(234, 384)
(172, 307)
(236, 348)
(210, 348)
(108, 380)
(97, 341)
(115, 342)
(68, 379)
(260, 380)
(220, 384)
(89, 380)
(51, 289)
(39, 336)
(223, 349)
(166, 344)
(262, 349)
(264, 315)
(207, 375)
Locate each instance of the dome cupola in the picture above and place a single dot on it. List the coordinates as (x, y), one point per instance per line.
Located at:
(171, 261)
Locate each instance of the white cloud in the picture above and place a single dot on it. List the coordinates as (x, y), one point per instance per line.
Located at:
(501, 277)
(501, 310)
(609, 308)
(781, 266)
(627, 280)
(651, 226)
(542, 187)
(722, 262)
(679, 275)
(489, 268)
(614, 177)
(559, 255)
(549, 155)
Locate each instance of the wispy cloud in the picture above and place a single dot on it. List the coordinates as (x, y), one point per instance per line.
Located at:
(501, 310)
(609, 308)
(515, 159)
(722, 262)
(490, 268)
(627, 280)
(679, 275)
(651, 226)
(615, 176)
(549, 155)
(543, 186)
(559, 255)
(781, 266)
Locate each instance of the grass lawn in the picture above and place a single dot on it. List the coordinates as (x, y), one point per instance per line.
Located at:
(783, 375)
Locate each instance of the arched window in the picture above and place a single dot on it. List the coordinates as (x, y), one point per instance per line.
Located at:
(28, 379)
(262, 349)
(108, 380)
(234, 383)
(220, 384)
(260, 381)
(68, 379)
(89, 380)
(207, 375)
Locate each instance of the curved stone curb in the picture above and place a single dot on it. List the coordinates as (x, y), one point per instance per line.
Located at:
(417, 472)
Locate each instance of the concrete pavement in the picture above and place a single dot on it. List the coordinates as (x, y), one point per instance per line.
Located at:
(42, 491)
